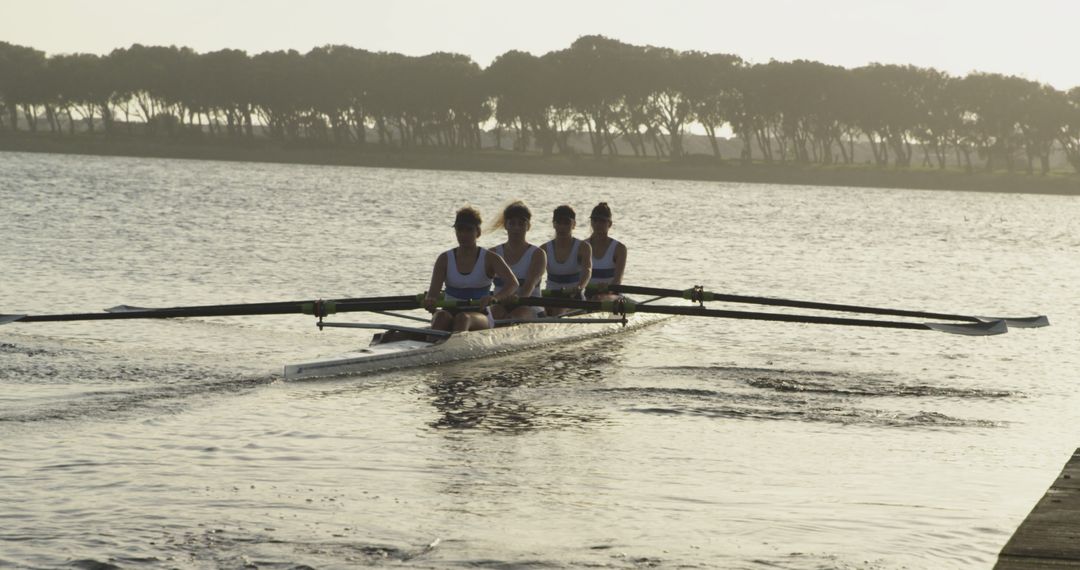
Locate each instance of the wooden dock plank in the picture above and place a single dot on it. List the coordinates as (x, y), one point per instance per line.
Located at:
(1049, 538)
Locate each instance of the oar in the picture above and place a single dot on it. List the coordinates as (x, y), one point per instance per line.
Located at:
(698, 295)
(259, 306)
(628, 307)
(318, 308)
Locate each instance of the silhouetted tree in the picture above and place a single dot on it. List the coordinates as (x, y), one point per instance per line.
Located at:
(1044, 110)
(226, 78)
(591, 75)
(610, 91)
(993, 100)
(709, 85)
(1069, 135)
(23, 83)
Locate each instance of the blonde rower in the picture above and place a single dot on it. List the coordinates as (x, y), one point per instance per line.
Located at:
(609, 255)
(468, 271)
(527, 261)
(569, 260)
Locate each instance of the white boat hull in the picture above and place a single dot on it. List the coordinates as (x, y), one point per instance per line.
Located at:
(462, 346)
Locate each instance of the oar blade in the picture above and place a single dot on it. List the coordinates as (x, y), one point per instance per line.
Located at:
(126, 309)
(971, 329)
(1020, 322)
(5, 319)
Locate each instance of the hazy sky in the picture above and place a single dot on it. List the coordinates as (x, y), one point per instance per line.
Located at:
(1036, 39)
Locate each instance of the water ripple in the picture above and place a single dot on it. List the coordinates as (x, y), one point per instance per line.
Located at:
(735, 405)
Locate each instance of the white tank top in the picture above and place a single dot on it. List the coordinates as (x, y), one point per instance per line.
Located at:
(473, 285)
(565, 274)
(603, 268)
(520, 270)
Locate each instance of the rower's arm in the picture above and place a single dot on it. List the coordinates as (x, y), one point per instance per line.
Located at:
(438, 277)
(585, 260)
(537, 267)
(498, 268)
(620, 264)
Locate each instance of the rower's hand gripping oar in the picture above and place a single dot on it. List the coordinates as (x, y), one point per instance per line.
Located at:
(700, 296)
(624, 307)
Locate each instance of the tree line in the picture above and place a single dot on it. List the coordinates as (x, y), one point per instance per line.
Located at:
(600, 89)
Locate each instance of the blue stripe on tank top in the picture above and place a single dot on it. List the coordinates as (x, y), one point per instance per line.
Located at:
(499, 282)
(603, 273)
(467, 292)
(564, 278)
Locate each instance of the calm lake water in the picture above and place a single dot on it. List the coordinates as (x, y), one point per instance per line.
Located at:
(697, 443)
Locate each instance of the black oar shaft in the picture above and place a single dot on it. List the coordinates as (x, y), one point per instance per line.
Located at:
(703, 312)
(757, 316)
(280, 308)
(771, 301)
(261, 308)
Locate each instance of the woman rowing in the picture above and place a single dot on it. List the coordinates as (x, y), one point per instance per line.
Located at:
(467, 272)
(609, 255)
(569, 260)
(527, 261)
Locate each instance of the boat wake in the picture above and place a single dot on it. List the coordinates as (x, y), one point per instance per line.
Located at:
(734, 405)
(237, 547)
(869, 387)
(115, 404)
(836, 383)
(65, 384)
(570, 388)
(886, 400)
(9, 348)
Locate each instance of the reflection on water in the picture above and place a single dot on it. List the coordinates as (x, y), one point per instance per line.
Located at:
(506, 394)
(470, 403)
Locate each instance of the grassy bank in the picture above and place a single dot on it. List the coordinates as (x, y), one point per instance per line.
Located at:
(692, 168)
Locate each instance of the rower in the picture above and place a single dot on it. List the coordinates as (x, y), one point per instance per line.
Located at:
(609, 255)
(569, 260)
(467, 271)
(527, 261)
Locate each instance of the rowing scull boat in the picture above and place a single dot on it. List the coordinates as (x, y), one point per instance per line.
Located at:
(412, 352)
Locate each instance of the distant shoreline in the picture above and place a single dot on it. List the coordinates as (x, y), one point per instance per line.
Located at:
(699, 167)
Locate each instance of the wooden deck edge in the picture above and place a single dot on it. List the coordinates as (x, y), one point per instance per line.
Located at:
(1049, 538)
